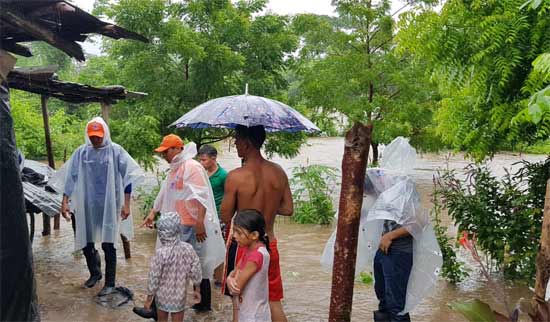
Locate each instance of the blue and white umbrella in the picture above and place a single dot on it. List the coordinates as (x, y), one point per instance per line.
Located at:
(246, 110)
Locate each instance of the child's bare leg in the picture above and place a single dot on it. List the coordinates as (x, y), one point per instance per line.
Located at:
(162, 316)
(177, 317)
(235, 300)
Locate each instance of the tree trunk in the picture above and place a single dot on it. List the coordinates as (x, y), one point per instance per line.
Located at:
(354, 165)
(542, 307)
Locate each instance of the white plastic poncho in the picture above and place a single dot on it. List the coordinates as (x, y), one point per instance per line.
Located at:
(393, 196)
(186, 185)
(94, 180)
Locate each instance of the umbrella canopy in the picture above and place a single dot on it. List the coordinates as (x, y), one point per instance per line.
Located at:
(247, 110)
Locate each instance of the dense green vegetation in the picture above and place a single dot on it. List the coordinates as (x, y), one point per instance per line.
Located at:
(466, 75)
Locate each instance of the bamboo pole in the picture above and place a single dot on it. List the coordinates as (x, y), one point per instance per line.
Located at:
(542, 307)
(105, 111)
(354, 165)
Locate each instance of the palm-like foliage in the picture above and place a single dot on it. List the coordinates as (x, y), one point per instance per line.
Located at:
(481, 54)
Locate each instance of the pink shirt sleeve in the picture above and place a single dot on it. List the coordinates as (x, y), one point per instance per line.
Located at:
(255, 257)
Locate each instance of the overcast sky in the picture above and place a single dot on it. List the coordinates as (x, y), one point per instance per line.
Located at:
(282, 7)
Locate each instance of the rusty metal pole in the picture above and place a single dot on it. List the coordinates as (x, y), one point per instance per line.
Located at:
(542, 307)
(46, 230)
(354, 165)
(105, 111)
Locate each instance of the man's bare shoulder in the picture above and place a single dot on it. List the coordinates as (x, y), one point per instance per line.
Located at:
(272, 166)
(237, 175)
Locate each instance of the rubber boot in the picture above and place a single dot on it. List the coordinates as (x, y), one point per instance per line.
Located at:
(147, 314)
(93, 261)
(110, 269)
(205, 304)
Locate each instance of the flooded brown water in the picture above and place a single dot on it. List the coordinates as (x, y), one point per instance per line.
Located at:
(60, 272)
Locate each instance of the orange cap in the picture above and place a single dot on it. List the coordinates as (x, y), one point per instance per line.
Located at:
(95, 129)
(170, 141)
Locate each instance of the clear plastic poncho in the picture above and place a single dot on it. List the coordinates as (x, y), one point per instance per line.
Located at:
(391, 195)
(94, 180)
(186, 184)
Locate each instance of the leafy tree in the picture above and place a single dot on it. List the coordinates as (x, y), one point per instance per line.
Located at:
(349, 65)
(199, 50)
(67, 132)
(480, 54)
(537, 84)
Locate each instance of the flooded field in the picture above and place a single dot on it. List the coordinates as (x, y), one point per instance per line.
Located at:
(60, 272)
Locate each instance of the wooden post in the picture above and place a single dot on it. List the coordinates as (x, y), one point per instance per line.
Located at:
(354, 166)
(126, 246)
(45, 117)
(51, 161)
(31, 216)
(105, 111)
(540, 306)
(46, 227)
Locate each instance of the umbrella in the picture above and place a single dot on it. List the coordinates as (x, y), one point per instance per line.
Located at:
(247, 110)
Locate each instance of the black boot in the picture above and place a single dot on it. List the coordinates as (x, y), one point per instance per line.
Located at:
(206, 294)
(147, 314)
(110, 269)
(380, 316)
(93, 261)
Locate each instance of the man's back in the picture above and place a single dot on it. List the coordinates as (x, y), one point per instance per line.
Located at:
(260, 185)
(263, 186)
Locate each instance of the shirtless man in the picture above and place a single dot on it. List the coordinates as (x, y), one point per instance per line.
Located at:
(262, 185)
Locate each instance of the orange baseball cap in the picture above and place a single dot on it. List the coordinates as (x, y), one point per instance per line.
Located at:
(95, 129)
(169, 141)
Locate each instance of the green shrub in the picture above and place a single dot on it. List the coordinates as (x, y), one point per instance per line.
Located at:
(312, 191)
(453, 269)
(506, 214)
(366, 278)
(147, 198)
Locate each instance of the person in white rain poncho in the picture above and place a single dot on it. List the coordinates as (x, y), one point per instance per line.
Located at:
(98, 179)
(187, 191)
(396, 239)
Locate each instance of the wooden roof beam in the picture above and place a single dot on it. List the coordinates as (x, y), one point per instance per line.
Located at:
(16, 48)
(19, 20)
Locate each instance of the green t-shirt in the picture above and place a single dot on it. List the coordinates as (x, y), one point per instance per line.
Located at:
(217, 180)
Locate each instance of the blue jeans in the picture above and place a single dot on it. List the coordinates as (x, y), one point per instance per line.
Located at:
(188, 234)
(391, 276)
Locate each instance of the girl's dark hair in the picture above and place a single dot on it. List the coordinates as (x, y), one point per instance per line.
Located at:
(252, 220)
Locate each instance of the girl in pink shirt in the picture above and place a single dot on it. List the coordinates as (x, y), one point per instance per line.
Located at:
(248, 283)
